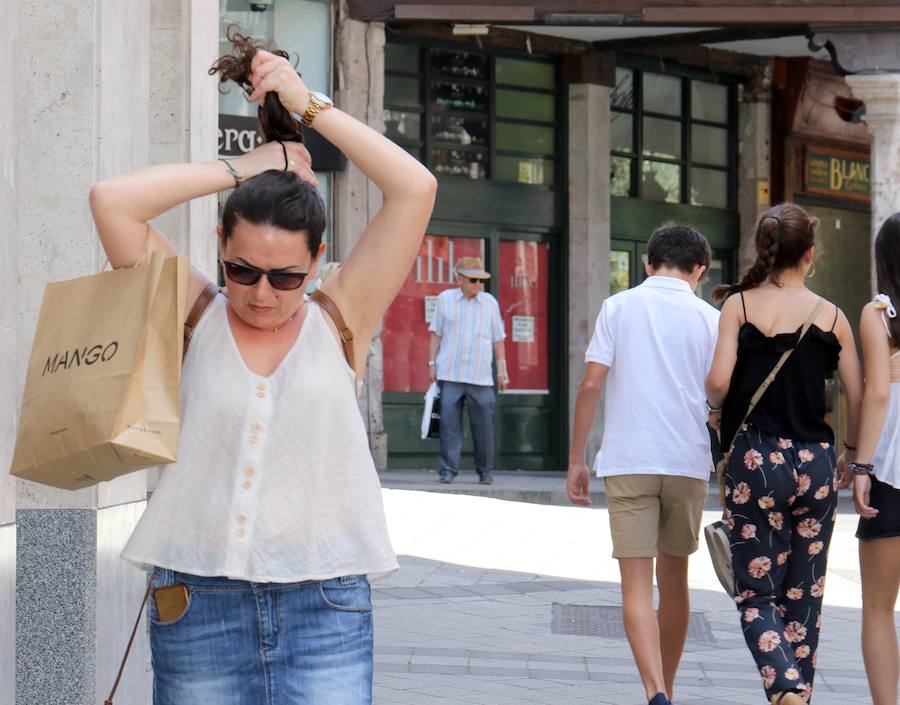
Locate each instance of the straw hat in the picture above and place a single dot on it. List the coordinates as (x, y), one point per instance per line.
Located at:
(472, 267)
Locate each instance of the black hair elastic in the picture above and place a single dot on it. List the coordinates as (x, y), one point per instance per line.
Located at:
(284, 150)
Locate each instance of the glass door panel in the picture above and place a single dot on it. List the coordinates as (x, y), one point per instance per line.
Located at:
(523, 289)
(405, 334)
(619, 270)
(717, 270)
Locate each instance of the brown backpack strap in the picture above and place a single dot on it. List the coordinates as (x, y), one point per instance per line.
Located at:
(109, 700)
(200, 305)
(326, 302)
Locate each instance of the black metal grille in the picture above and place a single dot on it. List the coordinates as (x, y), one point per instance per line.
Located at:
(607, 621)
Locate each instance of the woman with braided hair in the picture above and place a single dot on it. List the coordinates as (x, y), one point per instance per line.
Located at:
(782, 476)
(262, 536)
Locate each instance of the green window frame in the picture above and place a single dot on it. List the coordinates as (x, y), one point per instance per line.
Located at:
(476, 114)
(702, 160)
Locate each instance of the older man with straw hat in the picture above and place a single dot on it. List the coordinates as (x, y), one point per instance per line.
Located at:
(466, 334)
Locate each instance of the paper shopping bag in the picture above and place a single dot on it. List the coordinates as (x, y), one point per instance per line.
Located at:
(102, 388)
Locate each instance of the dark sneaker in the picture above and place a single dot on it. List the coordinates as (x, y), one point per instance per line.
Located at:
(659, 699)
(486, 479)
(446, 478)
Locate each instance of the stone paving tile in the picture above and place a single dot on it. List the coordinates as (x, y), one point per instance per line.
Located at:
(474, 636)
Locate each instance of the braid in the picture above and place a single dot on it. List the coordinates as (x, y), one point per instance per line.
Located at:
(766, 254)
(784, 234)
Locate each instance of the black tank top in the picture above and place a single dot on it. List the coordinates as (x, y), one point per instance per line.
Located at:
(793, 406)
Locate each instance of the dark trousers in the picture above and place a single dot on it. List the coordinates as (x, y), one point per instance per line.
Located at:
(480, 400)
(780, 503)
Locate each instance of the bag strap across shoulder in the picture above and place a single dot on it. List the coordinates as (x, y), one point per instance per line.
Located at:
(200, 305)
(757, 395)
(766, 383)
(327, 303)
(203, 301)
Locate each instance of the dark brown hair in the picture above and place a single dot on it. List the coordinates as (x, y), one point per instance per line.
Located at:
(278, 198)
(275, 121)
(887, 268)
(783, 235)
(679, 246)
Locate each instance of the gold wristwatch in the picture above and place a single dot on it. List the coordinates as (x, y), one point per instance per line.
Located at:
(317, 103)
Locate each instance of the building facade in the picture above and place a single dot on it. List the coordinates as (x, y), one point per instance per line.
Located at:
(559, 145)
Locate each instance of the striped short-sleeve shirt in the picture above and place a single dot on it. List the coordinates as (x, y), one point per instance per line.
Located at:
(468, 328)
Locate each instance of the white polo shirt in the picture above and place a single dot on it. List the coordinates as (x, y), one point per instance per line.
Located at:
(658, 340)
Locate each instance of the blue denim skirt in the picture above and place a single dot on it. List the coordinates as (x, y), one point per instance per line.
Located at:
(243, 643)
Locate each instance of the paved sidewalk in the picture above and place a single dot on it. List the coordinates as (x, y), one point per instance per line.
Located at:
(480, 610)
(534, 487)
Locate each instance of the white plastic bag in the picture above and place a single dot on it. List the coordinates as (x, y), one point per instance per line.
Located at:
(431, 415)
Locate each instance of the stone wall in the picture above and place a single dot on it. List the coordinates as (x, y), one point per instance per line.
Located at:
(101, 87)
(9, 18)
(359, 91)
(754, 160)
(589, 229)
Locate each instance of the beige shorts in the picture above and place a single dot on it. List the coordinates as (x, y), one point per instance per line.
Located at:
(653, 514)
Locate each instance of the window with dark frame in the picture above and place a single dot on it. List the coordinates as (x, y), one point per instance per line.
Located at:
(474, 115)
(672, 139)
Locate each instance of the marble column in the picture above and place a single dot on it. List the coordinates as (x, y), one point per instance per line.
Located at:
(881, 94)
(589, 227)
(97, 83)
(9, 31)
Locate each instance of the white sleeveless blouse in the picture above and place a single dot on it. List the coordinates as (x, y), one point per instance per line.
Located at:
(274, 480)
(886, 457)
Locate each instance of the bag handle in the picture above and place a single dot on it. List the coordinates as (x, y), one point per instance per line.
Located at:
(326, 302)
(766, 383)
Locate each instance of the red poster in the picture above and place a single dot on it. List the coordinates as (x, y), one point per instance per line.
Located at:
(405, 334)
(523, 293)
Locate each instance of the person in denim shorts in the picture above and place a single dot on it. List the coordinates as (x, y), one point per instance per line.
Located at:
(263, 535)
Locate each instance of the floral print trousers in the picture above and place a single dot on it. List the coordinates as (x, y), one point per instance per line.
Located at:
(780, 504)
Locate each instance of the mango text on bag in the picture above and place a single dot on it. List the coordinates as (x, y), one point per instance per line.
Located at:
(87, 355)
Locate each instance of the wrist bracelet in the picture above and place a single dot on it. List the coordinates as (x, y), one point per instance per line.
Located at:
(711, 409)
(849, 447)
(238, 179)
(861, 468)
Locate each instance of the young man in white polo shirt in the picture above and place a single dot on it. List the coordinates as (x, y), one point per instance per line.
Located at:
(652, 348)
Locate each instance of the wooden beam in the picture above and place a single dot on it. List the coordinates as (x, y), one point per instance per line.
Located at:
(496, 38)
(687, 11)
(761, 14)
(596, 67)
(716, 60)
(465, 13)
(713, 36)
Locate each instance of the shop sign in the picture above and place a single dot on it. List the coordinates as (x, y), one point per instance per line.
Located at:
(837, 174)
(239, 134)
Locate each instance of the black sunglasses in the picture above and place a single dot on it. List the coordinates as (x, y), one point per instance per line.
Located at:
(245, 275)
